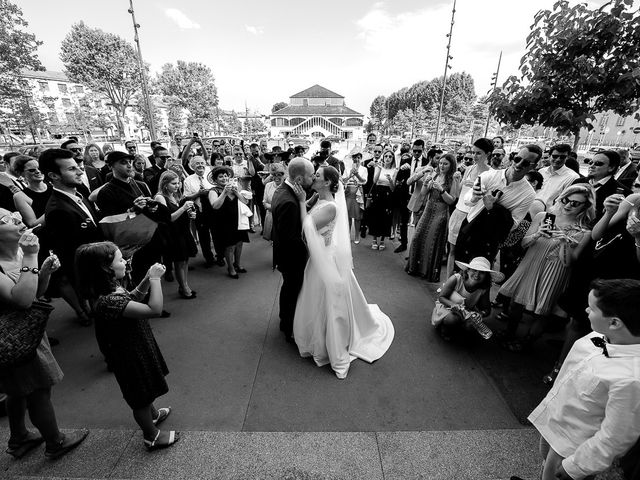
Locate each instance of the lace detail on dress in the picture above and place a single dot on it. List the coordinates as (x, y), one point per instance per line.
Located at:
(327, 230)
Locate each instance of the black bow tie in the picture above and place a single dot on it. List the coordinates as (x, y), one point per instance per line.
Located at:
(601, 343)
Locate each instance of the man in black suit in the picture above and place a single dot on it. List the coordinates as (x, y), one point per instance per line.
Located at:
(602, 169)
(91, 177)
(70, 220)
(289, 250)
(627, 173)
(152, 174)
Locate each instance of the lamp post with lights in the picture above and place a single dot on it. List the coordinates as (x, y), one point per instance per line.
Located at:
(446, 67)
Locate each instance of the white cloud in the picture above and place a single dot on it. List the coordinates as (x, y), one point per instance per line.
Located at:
(181, 19)
(254, 30)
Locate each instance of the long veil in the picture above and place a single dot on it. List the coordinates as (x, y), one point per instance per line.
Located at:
(341, 235)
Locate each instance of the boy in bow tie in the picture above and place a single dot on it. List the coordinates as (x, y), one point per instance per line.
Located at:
(591, 416)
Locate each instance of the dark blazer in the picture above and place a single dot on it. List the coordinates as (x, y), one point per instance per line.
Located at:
(609, 188)
(628, 176)
(483, 235)
(94, 176)
(67, 227)
(289, 249)
(151, 177)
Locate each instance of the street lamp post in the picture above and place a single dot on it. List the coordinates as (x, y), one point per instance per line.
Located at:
(446, 67)
(494, 84)
(143, 73)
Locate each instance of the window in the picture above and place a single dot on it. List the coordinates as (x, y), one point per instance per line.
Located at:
(66, 102)
(354, 122)
(604, 120)
(295, 121)
(620, 122)
(336, 120)
(282, 122)
(62, 87)
(44, 86)
(79, 89)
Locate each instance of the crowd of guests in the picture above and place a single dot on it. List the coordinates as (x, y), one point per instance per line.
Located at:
(529, 224)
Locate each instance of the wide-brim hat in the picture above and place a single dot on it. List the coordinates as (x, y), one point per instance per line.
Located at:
(355, 151)
(284, 156)
(215, 171)
(481, 264)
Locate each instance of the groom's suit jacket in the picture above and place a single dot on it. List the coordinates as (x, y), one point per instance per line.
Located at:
(289, 249)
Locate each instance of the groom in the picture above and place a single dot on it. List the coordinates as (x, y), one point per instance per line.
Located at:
(289, 250)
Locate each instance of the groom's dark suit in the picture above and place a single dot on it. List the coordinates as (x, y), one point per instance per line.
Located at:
(289, 252)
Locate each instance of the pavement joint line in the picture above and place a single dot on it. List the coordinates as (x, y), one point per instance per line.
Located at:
(124, 450)
(264, 342)
(380, 455)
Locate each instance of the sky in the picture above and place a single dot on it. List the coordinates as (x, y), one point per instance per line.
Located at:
(262, 52)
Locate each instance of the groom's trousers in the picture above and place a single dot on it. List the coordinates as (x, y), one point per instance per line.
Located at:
(291, 285)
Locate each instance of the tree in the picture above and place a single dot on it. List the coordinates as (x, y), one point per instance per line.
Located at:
(230, 124)
(253, 126)
(18, 50)
(578, 62)
(278, 106)
(139, 107)
(105, 63)
(378, 112)
(192, 85)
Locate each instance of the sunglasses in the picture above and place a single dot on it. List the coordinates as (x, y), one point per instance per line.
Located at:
(497, 155)
(165, 157)
(377, 151)
(468, 158)
(524, 163)
(572, 203)
(597, 164)
(417, 151)
(14, 218)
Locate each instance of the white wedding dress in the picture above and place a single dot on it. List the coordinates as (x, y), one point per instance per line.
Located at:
(333, 322)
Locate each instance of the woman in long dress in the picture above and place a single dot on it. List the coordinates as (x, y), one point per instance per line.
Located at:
(430, 239)
(333, 322)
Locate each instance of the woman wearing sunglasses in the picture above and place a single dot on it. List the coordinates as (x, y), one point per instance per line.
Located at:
(554, 240)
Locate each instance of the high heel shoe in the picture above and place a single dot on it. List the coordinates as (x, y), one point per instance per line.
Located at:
(183, 294)
(233, 275)
(239, 269)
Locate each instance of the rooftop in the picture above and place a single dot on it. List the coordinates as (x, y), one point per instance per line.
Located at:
(316, 110)
(316, 92)
(46, 75)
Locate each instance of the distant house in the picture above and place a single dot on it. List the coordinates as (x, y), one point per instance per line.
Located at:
(317, 112)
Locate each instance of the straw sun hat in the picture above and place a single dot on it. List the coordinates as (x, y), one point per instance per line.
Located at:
(481, 264)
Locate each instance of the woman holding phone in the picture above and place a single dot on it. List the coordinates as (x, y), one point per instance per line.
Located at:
(554, 240)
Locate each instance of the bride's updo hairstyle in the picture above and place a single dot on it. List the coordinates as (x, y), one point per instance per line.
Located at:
(331, 175)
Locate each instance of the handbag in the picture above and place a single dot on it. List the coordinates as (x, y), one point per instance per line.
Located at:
(21, 331)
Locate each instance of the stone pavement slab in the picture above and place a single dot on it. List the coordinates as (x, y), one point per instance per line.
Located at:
(478, 455)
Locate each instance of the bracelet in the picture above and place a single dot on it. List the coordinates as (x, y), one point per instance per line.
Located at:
(140, 291)
(33, 270)
(637, 246)
(154, 278)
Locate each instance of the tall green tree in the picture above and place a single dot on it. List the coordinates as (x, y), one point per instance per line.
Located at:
(104, 62)
(193, 87)
(18, 50)
(579, 61)
(139, 107)
(378, 112)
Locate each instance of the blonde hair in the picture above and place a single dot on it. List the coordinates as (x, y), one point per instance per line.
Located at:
(585, 217)
(165, 179)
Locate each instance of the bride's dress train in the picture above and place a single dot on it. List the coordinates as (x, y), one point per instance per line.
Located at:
(333, 322)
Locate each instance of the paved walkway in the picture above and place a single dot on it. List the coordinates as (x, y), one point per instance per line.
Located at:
(249, 407)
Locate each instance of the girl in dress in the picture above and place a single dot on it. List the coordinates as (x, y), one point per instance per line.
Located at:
(333, 322)
(180, 242)
(457, 306)
(430, 239)
(380, 213)
(543, 273)
(122, 325)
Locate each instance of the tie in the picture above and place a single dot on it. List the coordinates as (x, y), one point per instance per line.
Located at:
(201, 183)
(601, 343)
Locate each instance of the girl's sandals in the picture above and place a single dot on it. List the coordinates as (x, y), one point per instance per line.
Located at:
(156, 444)
(20, 449)
(163, 413)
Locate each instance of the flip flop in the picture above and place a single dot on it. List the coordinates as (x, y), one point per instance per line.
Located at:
(163, 413)
(19, 450)
(153, 445)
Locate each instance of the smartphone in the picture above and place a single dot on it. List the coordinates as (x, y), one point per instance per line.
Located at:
(549, 221)
(479, 183)
(620, 191)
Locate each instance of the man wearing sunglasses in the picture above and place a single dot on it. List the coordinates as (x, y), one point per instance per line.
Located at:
(602, 169)
(556, 177)
(152, 174)
(508, 189)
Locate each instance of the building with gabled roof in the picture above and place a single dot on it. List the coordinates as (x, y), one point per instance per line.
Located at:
(317, 112)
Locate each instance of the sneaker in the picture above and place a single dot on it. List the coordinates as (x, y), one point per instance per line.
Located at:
(392, 237)
(374, 246)
(357, 241)
(475, 319)
(382, 246)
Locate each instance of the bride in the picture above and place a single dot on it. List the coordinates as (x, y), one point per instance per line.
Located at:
(333, 322)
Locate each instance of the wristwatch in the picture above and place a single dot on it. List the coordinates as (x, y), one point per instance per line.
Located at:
(33, 270)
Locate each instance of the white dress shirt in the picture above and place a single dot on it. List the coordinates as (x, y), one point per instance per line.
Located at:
(592, 413)
(555, 181)
(194, 183)
(516, 197)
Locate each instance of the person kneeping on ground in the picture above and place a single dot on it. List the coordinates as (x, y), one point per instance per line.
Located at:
(122, 323)
(457, 306)
(590, 417)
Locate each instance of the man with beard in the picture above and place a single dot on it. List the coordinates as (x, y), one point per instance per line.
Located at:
(289, 250)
